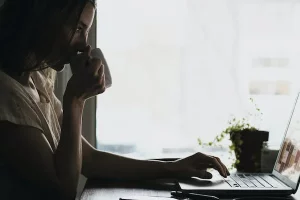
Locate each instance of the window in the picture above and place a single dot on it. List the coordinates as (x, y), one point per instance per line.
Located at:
(181, 68)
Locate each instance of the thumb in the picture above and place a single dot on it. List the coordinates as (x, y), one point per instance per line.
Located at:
(204, 174)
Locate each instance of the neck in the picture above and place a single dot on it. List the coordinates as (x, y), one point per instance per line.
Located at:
(24, 78)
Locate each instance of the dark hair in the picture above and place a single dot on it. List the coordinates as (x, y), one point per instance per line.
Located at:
(30, 28)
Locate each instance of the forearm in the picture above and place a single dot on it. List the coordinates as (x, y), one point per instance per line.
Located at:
(110, 166)
(68, 156)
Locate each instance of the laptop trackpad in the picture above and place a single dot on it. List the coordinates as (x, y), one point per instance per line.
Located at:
(194, 183)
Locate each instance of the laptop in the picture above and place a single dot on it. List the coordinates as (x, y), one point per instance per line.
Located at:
(283, 180)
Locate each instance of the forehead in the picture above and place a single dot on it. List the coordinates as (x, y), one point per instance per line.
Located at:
(87, 15)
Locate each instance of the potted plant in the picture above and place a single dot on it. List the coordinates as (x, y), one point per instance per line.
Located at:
(246, 141)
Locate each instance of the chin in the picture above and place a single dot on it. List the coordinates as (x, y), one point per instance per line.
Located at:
(59, 68)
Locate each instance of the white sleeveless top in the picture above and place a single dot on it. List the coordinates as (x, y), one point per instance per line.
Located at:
(17, 106)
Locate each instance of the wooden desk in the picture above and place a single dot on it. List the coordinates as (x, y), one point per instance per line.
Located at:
(100, 190)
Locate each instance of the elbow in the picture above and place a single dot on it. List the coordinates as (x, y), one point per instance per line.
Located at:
(63, 190)
(66, 194)
(88, 172)
(56, 193)
(68, 191)
(69, 194)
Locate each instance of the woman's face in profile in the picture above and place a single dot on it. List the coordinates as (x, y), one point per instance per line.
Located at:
(79, 40)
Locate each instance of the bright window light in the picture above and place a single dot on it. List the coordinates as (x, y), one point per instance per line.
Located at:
(181, 68)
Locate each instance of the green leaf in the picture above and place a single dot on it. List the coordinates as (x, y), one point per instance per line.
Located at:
(199, 141)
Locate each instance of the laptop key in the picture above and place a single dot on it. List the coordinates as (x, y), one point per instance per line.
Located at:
(239, 181)
(271, 181)
(231, 182)
(262, 181)
(241, 175)
(255, 182)
(248, 182)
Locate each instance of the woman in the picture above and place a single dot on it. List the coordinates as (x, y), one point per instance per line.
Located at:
(41, 147)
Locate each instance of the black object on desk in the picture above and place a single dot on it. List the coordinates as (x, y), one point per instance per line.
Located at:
(180, 194)
(175, 195)
(145, 198)
(262, 198)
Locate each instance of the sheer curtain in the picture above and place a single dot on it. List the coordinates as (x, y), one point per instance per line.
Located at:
(181, 68)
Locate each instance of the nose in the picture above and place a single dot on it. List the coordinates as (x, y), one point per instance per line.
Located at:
(85, 39)
(82, 42)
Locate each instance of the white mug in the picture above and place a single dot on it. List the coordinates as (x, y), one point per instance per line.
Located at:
(97, 53)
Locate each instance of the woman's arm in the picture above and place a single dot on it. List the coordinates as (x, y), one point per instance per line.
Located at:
(68, 156)
(103, 165)
(26, 150)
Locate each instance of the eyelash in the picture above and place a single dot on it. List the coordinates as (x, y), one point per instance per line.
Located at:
(79, 29)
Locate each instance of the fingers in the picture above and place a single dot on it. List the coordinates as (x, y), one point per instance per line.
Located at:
(89, 73)
(97, 69)
(204, 174)
(218, 165)
(101, 70)
(211, 162)
(102, 80)
(224, 167)
(87, 51)
(99, 89)
(80, 61)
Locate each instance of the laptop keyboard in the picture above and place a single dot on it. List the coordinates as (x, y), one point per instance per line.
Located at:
(252, 181)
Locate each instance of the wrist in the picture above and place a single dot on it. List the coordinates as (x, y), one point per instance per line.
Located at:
(72, 101)
(169, 169)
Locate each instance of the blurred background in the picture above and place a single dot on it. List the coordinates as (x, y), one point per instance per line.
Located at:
(182, 68)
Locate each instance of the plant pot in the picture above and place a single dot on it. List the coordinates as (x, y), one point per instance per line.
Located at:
(248, 144)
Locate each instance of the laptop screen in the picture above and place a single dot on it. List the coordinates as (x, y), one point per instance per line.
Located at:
(288, 161)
